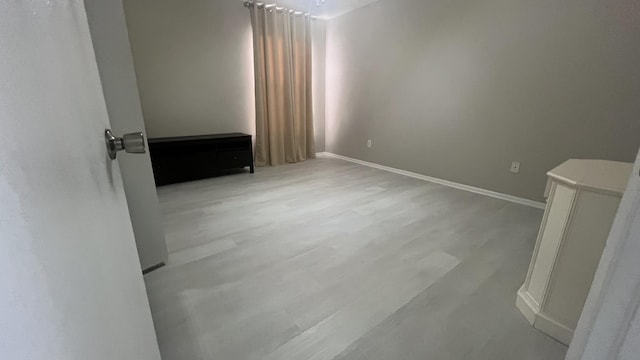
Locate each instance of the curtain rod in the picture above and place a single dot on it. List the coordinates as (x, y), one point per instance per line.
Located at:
(249, 4)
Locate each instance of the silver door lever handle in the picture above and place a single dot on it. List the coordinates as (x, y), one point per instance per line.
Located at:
(131, 143)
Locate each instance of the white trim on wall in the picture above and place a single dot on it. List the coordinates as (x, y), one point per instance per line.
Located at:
(455, 185)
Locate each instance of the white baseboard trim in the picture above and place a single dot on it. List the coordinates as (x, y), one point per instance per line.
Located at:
(526, 305)
(553, 328)
(540, 320)
(473, 189)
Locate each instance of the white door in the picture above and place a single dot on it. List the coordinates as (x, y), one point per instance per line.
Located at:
(70, 281)
(115, 64)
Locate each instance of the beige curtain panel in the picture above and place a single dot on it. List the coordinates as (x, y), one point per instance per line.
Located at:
(282, 57)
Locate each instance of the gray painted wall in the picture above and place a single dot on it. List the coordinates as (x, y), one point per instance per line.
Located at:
(194, 63)
(113, 56)
(460, 89)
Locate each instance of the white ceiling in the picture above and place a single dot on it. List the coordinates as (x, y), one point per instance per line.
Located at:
(330, 8)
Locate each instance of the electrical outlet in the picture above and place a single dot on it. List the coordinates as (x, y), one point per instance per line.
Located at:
(515, 167)
(369, 143)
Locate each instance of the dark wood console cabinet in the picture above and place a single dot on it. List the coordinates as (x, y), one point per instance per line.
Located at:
(186, 158)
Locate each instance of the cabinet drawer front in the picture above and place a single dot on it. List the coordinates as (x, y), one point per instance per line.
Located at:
(234, 158)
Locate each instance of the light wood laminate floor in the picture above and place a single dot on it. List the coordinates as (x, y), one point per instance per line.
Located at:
(332, 260)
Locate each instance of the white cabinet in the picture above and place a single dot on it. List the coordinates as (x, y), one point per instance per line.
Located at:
(582, 200)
